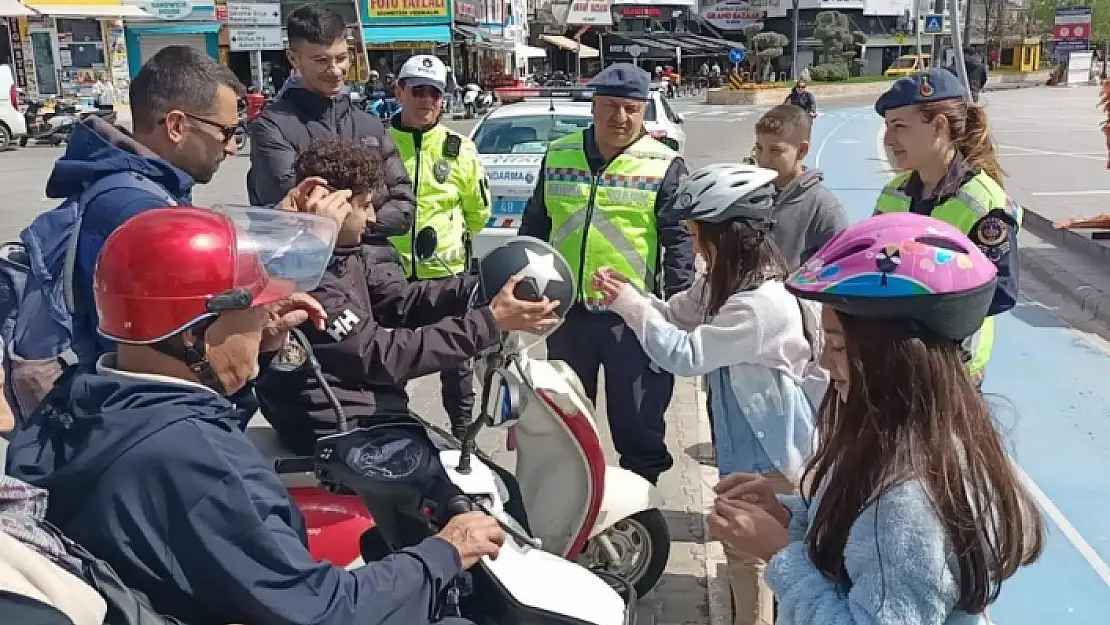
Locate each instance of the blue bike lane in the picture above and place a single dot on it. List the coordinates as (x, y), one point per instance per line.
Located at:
(1050, 386)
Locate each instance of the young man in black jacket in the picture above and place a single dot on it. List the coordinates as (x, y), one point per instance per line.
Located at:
(382, 330)
(314, 106)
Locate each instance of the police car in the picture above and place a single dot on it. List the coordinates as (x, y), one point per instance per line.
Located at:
(512, 140)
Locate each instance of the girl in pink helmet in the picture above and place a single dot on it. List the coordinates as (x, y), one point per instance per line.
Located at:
(925, 516)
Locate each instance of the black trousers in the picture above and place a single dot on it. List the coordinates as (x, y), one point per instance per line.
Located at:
(637, 392)
(458, 393)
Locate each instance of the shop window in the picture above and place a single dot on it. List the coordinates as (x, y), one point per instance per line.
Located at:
(80, 30)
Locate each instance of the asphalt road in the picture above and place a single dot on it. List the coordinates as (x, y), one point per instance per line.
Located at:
(1047, 377)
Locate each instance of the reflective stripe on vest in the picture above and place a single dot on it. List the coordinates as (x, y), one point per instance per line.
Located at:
(975, 199)
(611, 216)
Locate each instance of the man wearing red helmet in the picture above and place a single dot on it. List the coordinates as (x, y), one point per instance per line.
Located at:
(143, 458)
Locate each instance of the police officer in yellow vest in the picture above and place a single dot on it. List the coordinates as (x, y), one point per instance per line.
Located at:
(452, 196)
(596, 200)
(950, 171)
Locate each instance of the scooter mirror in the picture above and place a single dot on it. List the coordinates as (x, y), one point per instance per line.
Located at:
(508, 403)
(426, 243)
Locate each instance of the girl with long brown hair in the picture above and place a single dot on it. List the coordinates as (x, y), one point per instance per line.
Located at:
(912, 513)
(741, 329)
(942, 144)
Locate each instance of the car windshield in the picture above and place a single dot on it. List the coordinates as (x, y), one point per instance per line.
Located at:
(649, 111)
(526, 135)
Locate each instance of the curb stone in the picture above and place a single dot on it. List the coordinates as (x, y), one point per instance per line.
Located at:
(1062, 277)
(717, 586)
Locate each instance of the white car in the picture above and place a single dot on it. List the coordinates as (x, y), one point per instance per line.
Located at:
(513, 139)
(12, 124)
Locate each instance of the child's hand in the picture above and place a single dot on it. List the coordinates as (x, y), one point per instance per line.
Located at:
(610, 283)
(754, 489)
(747, 528)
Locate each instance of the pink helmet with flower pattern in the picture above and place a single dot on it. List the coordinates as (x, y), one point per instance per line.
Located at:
(902, 266)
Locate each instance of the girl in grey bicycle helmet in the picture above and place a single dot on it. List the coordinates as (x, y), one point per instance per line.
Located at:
(739, 327)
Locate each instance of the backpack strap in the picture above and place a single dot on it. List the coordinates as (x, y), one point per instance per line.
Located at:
(111, 181)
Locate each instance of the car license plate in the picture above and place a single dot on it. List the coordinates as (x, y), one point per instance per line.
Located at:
(503, 206)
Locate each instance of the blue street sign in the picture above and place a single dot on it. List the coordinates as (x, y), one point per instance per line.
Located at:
(934, 25)
(736, 55)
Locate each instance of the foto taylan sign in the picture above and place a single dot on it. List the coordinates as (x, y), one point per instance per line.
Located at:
(732, 15)
(589, 13)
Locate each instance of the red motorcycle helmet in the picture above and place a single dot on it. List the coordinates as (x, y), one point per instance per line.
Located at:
(166, 269)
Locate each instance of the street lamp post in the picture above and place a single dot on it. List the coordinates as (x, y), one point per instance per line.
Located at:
(794, 44)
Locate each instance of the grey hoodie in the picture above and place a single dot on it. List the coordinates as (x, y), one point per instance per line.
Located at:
(807, 215)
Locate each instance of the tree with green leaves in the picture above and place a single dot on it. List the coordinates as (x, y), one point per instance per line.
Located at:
(838, 45)
(763, 48)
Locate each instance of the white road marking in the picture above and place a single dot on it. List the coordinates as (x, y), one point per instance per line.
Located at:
(1069, 531)
(825, 142)
(1053, 153)
(1069, 193)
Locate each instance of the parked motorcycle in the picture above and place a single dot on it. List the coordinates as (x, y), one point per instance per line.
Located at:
(55, 128)
(382, 105)
(605, 517)
(476, 101)
(413, 479)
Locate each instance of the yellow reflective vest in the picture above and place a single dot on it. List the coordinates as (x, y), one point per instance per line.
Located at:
(974, 200)
(452, 196)
(607, 219)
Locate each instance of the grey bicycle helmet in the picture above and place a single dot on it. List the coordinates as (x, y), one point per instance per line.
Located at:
(724, 192)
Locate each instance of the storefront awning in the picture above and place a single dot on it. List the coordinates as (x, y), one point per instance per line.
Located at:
(14, 8)
(712, 44)
(570, 45)
(524, 51)
(99, 11)
(641, 47)
(405, 37)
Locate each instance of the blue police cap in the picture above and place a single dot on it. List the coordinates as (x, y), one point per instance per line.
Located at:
(931, 86)
(622, 80)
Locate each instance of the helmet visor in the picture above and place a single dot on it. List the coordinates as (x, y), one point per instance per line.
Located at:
(280, 252)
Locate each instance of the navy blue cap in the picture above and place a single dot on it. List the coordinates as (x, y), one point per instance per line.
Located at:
(622, 80)
(931, 86)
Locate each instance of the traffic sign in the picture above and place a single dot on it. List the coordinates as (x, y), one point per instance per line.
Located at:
(934, 24)
(736, 55)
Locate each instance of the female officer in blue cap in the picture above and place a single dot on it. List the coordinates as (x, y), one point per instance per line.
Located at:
(950, 171)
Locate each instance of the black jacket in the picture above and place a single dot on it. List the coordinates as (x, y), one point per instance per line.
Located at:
(382, 331)
(293, 121)
(156, 478)
(803, 100)
(678, 248)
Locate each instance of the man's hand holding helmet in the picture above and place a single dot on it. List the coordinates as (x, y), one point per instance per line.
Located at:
(513, 314)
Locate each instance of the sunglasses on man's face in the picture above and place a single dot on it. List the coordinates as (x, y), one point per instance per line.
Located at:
(426, 91)
(226, 131)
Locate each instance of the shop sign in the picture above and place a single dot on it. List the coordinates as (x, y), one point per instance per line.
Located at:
(252, 14)
(633, 12)
(378, 9)
(401, 45)
(466, 8)
(731, 15)
(590, 13)
(252, 39)
(168, 10)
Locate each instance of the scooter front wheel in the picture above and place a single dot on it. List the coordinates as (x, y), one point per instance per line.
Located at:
(641, 545)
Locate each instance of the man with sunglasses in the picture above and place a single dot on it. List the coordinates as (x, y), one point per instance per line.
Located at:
(452, 196)
(185, 110)
(313, 105)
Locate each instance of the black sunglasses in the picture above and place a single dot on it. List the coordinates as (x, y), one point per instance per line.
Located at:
(227, 131)
(426, 91)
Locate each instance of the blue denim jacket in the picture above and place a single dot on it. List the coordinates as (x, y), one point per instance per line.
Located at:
(898, 557)
(753, 354)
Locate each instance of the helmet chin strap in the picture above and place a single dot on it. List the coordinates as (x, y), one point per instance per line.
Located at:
(195, 357)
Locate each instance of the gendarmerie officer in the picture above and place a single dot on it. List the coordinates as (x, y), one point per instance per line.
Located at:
(942, 144)
(597, 202)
